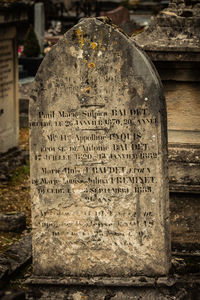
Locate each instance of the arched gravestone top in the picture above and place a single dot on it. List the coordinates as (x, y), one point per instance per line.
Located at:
(98, 158)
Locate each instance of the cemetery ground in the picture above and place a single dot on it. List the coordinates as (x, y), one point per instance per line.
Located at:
(14, 190)
(15, 197)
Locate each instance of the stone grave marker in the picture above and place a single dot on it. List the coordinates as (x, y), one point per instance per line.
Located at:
(9, 119)
(99, 179)
(119, 15)
(39, 23)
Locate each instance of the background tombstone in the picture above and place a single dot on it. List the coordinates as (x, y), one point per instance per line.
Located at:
(98, 161)
(119, 15)
(9, 119)
(172, 42)
(39, 23)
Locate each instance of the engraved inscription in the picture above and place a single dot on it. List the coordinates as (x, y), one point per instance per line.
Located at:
(100, 178)
(8, 96)
(98, 175)
(6, 66)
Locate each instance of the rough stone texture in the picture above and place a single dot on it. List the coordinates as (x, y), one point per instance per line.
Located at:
(185, 220)
(184, 166)
(163, 289)
(15, 222)
(178, 67)
(183, 100)
(14, 258)
(119, 15)
(39, 23)
(10, 160)
(173, 30)
(99, 179)
(23, 117)
(12, 295)
(130, 27)
(9, 120)
(172, 42)
(24, 94)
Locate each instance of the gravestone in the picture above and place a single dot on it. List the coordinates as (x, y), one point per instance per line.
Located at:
(119, 15)
(172, 42)
(99, 180)
(9, 119)
(39, 23)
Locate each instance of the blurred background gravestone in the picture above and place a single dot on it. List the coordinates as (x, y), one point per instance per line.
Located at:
(9, 121)
(39, 23)
(118, 16)
(172, 41)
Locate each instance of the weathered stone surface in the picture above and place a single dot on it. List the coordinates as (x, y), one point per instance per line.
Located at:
(13, 295)
(9, 120)
(173, 34)
(165, 289)
(39, 23)
(182, 131)
(172, 42)
(24, 94)
(185, 212)
(10, 161)
(12, 222)
(14, 258)
(184, 166)
(98, 159)
(119, 15)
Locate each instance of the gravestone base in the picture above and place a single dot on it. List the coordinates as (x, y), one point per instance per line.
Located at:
(134, 288)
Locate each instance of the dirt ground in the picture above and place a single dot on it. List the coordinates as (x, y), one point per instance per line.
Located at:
(15, 194)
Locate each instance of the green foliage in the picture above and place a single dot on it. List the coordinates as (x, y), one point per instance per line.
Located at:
(31, 44)
(20, 174)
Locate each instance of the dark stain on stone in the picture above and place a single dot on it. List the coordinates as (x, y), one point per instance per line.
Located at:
(132, 92)
(109, 296)
(83, 98)
(33, 97)
(73, 35)
(142, 279)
